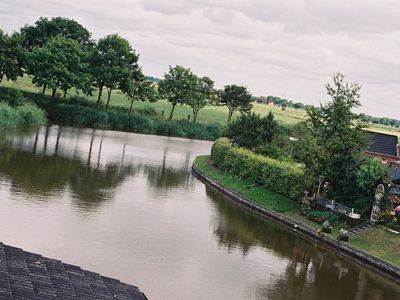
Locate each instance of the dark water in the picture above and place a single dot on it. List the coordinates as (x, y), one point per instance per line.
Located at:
(127, 206)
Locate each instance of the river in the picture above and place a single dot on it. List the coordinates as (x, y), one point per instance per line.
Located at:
(126, 206)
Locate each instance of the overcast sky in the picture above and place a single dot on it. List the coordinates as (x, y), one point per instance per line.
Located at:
(281, 48)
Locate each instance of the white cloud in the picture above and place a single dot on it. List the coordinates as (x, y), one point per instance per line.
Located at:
(283, 48)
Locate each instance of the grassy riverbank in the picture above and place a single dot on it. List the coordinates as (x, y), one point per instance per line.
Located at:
(376, 240)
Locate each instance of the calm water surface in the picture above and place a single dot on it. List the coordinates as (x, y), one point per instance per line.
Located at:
(127, 206)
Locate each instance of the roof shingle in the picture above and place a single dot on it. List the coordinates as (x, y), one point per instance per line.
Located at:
(25, 275)
(381, 143)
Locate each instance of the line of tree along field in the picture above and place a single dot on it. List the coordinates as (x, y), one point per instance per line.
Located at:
(60, 56)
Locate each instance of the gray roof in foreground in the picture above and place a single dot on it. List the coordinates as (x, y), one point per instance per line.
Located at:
(25, 275)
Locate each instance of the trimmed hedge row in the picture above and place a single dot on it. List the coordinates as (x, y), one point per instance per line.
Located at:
(282, 177)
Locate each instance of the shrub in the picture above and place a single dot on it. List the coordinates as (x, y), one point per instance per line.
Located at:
(219, 150)
(147, 110)
(27, 114)
(140, 124)
(282, 177)
(323, 216)
(15, 98)
(271, 150)
(169, 128)
(30, 115)
(78, 115)
(9, 117)
(251, 130)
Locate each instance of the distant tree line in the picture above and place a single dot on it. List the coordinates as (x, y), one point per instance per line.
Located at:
(60, 54)
(283, 103)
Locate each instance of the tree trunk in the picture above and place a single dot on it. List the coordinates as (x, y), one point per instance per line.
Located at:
(230, 113)
(195, 113)
(53, 93)
(130, 109)
(99, 97)
(65, 94)
(44, 88)
(108, 97)
(172, 111)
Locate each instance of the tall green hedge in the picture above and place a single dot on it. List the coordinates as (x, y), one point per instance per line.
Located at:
(282, 177)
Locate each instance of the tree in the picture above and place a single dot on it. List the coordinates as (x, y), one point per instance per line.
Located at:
(201, 96)
(57, 65)
(142, 89)
(12, 57)
(236, 98)
(178, 86)
(340, 138)
(113, 65)
(251, 130)
(45, 29)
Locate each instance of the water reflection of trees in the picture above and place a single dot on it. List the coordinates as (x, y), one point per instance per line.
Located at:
(165, 176)
(31, 171)
(310, 272)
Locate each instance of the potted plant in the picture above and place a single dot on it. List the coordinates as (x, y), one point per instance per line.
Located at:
(326, 227)
(343, 235)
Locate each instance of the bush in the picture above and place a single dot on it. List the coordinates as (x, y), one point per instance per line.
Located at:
(69, 114)
(140, 124)
(9, 117)
(15, 98)
(271, 150)
(27, 114)
(30, 115)
(321, 217)
(282, 177)
(251, 130)
(147, 110)
(219, 150)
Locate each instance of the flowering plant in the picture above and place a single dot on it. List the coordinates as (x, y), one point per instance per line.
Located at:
(390, 218)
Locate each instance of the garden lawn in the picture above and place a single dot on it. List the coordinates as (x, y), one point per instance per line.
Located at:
(378, 241)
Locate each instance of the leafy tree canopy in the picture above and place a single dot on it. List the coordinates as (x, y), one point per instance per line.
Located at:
(236, 98)
(113, 65)
(12, 56)
(178, 86)
(202, 95)
(57, 65)
(44, 30)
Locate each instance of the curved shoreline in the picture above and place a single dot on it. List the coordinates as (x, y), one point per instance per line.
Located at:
(342, 248)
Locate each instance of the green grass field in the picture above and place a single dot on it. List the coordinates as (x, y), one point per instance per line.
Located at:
(209, 114)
